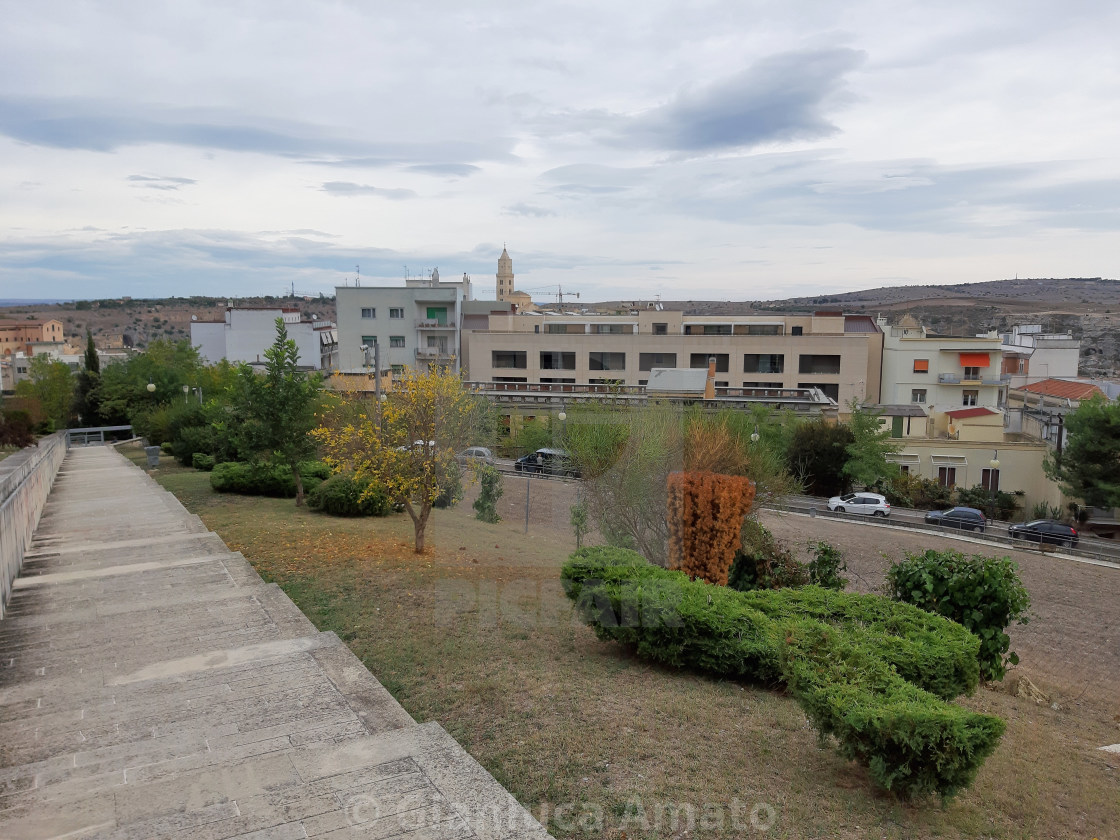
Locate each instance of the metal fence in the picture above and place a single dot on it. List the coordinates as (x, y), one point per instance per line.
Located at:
(23, 493)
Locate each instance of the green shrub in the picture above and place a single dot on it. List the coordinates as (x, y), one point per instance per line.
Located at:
(490, 490)
(983, 594)
(346, 495)
(763, 562)
(994, 504)
(165, 447)
(202, 462)
(260, 478)
(15, 428)
(826, 566)
(451, 487)
(874, 673)
(912, 491)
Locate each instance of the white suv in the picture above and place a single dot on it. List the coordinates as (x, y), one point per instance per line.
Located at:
(871, 504)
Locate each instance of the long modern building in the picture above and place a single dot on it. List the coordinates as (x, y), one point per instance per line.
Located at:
(841, 355)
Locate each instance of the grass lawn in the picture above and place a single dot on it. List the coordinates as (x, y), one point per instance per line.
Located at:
(476, 634)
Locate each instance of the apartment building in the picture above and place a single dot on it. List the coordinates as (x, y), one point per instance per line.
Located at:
(414, 326)
(245, 333)
(1031, 355)
(940, 373)
(839, 354)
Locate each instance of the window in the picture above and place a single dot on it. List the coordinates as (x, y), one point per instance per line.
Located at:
(764, 363)
(509, 379)
(972, 373)
(818, 364)
(649, 361)
(764, 329)
(904, 469)
(660, 329)
(921, 366)
(398, 370)
(989, 480)
(369, 312)
(700, 360)
(437, 314)
(611, 329)
(970, 397)
(606, 361)
(707, 329)
(947, 476)
(762, 384)
(396, 341)
(558, 380)
(510, 359)
(796, 331)
(369, 341)
(896, 427)
(558, 361)
(563, 329)
(918, 395)
(396, 313)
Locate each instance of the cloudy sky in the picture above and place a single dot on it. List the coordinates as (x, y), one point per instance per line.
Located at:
(729, 150)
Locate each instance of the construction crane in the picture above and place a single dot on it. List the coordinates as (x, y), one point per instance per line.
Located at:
(559, 294)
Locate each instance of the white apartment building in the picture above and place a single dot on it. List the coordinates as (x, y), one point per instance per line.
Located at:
(414, 326)
(940, 373)
(1031, 355)
(246, 333)
(840, 355)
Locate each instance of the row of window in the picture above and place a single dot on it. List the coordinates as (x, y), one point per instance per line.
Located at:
(395, 313)
(663, 329)
(394, 340)
(968, 398)
(922, 366)
(752, 362)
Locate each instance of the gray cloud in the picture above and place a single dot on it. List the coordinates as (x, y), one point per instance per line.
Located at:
(450, 170)
(101, 125)
(780, 98)
(522, 209)
(160, 182)
(348, 188)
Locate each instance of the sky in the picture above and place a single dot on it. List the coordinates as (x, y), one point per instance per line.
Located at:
(702, 150)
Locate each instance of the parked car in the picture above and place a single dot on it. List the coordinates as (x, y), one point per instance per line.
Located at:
(545, 460)
(476, 455)
(1044, 531)
(965, 518)
(871, 504)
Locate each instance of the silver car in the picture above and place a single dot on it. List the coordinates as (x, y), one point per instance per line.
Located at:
(871, 504)
(476, 455)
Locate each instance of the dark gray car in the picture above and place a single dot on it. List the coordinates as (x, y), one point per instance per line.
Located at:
(964, 518)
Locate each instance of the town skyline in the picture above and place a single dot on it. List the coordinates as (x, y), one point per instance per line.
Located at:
(724, 152)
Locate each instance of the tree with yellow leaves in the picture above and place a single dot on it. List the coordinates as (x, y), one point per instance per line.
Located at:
(408, 446)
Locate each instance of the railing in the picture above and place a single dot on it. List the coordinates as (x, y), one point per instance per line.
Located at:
(432, 353)
(23, 493)
(432, 324)
(91, 434)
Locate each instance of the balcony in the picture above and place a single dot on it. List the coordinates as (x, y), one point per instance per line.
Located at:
(429, 353)
(957, 379)
(433, 324)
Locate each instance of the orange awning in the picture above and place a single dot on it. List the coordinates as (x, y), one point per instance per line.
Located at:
(921, 366)
(975, 360)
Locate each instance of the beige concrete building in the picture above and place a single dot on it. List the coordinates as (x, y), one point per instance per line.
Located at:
(19, 336)
(839, 354)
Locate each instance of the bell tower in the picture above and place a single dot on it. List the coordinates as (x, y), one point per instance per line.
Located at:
(505, 276)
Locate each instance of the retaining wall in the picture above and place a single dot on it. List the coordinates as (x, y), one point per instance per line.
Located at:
(24, 487)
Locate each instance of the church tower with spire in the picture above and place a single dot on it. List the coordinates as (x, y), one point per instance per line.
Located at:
(505, 276)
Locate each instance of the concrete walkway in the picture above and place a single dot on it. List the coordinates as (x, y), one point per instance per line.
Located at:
(152, 685)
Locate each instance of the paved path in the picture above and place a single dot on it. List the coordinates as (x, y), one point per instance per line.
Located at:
(152, 685)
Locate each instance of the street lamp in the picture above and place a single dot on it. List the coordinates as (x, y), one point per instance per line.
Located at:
(563, 418)
(151, 386)
(994, 463)
(754, 435)
(186, 391)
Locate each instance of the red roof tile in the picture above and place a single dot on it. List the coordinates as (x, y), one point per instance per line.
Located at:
(964, 413)
(1063, 389)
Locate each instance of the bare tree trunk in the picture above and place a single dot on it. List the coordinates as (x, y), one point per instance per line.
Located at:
(299, 486)
(419, 523)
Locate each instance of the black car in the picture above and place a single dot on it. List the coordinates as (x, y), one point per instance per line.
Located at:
(965, 518)
(1044, 531)
(545, 460)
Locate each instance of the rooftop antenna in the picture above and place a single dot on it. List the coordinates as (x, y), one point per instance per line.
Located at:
(357, 275)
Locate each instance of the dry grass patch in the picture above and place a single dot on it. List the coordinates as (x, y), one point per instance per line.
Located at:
(477, 635)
